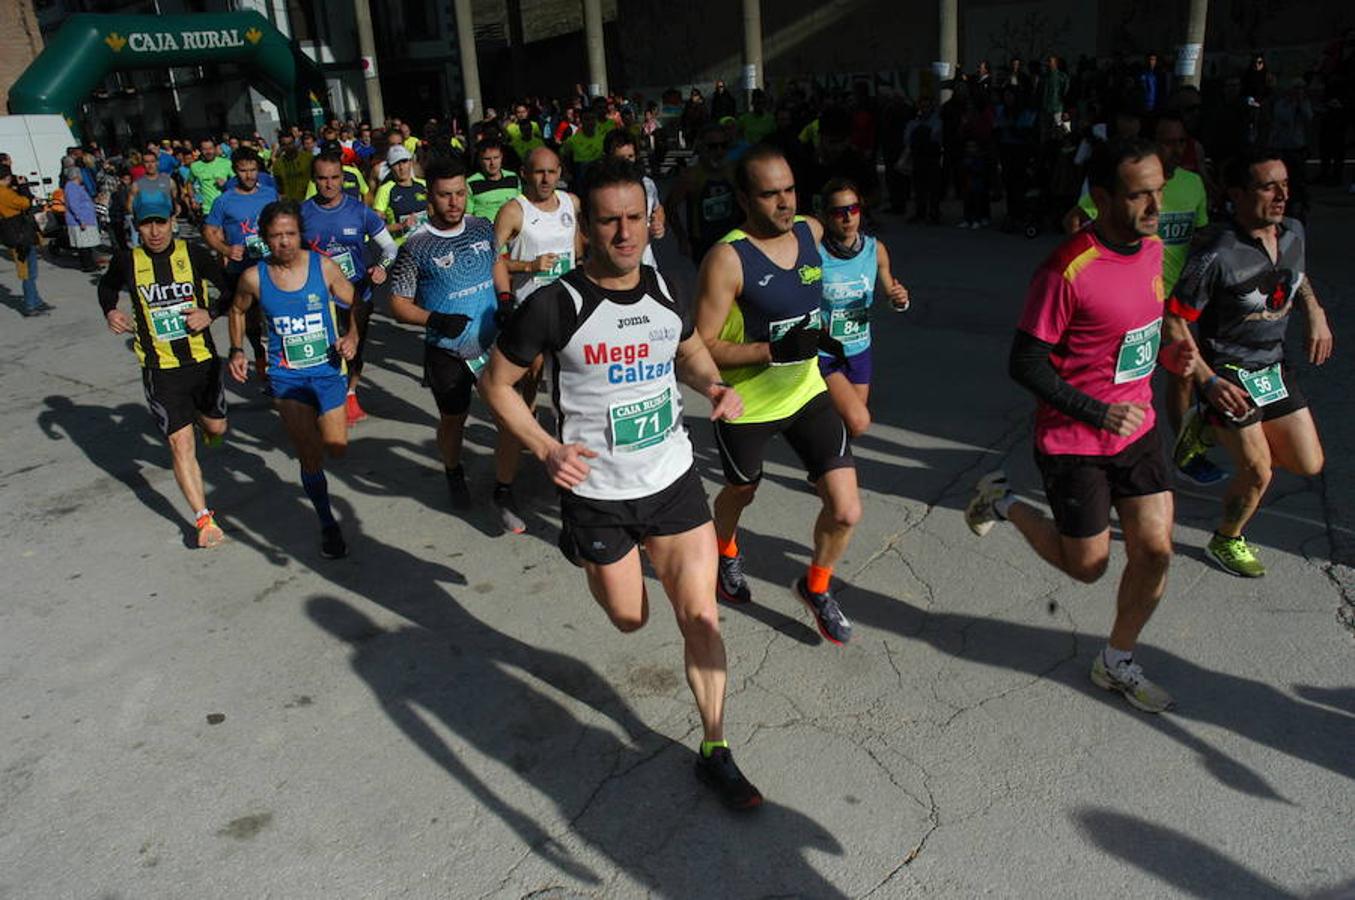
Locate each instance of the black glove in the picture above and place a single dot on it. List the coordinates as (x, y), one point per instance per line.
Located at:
(797, 345)
(832, 346)
(503, 311)
(447, 324)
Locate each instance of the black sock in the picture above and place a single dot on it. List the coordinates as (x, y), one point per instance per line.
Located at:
(457, 471)
(501, 487)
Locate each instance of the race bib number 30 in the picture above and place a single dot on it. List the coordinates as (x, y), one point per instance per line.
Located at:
(642, 424)
(1265, 386)
(167, 322)
(1138, 353)
(310, 348)
(563, 263)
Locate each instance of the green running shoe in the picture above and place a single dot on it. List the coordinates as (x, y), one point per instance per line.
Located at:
(1191, 440)
(1233, 555)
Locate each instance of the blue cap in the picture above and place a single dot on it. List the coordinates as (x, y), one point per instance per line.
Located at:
(151, 205)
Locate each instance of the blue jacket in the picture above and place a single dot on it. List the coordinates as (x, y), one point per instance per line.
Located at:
(79, 206)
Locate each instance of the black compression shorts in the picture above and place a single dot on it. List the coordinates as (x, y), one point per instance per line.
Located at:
(815, 432)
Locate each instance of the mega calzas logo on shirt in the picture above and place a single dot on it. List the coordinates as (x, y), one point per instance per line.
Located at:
(626, 363)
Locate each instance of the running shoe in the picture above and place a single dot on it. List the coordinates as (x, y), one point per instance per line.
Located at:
(332, 545)
(1234, 556)
(979, 514)
(719, 772)
(509, 517)
(457, 489)
(731, 586)
(1202, 472)
(209, 533)
(354, 410)
(1190, 440)
(833, 625)
(34, 311)
(1127, 677)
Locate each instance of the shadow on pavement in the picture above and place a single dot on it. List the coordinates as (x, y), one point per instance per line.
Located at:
(1246, 707)
(1177, 859)
(119, 440)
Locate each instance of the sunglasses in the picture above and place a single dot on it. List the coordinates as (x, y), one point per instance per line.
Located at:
(845, 212)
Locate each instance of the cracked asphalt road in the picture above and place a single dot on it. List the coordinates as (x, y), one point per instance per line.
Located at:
(447, 714)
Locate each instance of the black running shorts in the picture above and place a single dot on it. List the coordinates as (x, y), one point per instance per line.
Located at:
(1081, 489)
(815, 432)
(1291, 404)
(449, 378)
(178, 396)
(604, 531)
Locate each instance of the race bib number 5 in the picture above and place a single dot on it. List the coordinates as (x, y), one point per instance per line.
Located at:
(642, 424)
(1138, 353)
(344, 260)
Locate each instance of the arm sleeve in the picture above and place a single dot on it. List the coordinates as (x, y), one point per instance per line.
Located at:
(545, 321)
(112, 282)
(383, 240)
(1029, 367)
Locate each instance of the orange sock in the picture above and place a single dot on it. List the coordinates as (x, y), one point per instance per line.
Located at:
(729, 547)
(819, 578)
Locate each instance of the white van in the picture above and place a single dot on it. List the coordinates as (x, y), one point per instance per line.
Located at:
(35, 145)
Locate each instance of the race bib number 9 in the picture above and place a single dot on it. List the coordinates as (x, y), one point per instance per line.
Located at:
(167, 323)
(563, 263)
(1265, 386)
(1138, 353)
(310, 348)
(642, 424)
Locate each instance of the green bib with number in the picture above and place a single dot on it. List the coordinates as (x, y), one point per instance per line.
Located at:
(1265, 386)
(478, 364)
(717, 208)
(255, 248)
(642, 424)
(310, 348)
(563, 263)
(849, 325)
(344, 260)
(1138, 353)
(167, 322)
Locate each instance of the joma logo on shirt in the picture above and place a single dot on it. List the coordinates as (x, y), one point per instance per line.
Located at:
(160, 294)
(632, 320)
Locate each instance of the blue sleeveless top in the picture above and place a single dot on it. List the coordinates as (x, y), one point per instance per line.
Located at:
(772, 302)
(848, 290)
(300, 324)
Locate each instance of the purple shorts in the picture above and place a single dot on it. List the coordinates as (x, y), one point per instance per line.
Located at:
(857, 368)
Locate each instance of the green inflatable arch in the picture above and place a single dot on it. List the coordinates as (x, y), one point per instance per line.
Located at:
(89, 46)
